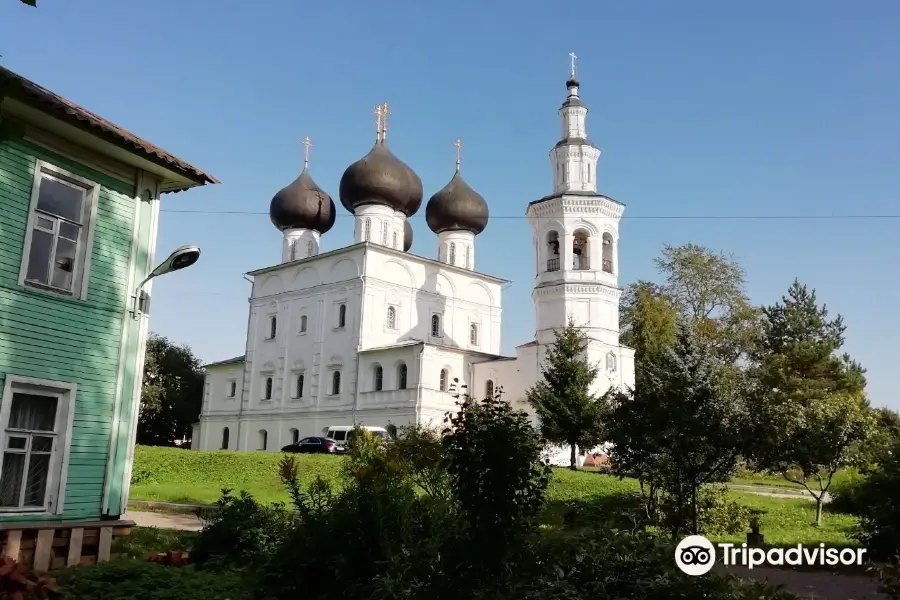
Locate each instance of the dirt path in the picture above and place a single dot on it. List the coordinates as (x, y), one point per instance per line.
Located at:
(164, 520)
(815, 584)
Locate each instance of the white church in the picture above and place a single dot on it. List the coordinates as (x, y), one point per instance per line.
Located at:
(371, 334)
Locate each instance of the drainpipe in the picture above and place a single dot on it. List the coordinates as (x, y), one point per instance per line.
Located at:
(362, 320)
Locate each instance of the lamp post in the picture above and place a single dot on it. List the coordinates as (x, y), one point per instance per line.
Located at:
(181, 258)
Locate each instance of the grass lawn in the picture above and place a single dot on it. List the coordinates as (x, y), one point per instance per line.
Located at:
(197, 477)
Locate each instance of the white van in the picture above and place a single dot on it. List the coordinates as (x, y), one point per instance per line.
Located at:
(339, 433)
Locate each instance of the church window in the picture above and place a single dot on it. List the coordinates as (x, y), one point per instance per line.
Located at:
(552, 251)
(232, 389)
(443, 381)
(302, 323)
(611, 362)
(384, 229)
(273, 327)
(435, 325)
(225, 436)
(267, 395)
(401, 377)
(263, 439)
(468, 257)
(335, 383)
(607, 253)
(342, 315)
(451, 257)
(378, 383)
(299, 390)
(310, 248)
(293, 249)
(391, 317)
(489, 389)
(367, 230)
(473, 334)
(295, 436)
(581, 250)
(394, 244)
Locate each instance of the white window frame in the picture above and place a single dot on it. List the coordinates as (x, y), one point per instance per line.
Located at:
(65, 415)
(273, 318)
(475, 327)
(387, 318)
(440, 332)
(228, 393)
(82, 269)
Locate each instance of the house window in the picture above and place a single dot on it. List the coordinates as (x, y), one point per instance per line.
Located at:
(225, 435)
(295, 436)
(273, 327)
(443, 381)
(335, 383)
(401, 377)
(367, 230)
(489, 389)
(58, 237)
(378, 382)
(36, 422)
(232, 389)
(391, 317)
(268, 392)
(435, 325)
(473, 334)
(302, 323)
(299, 390)
(342, 315)
(263, 439)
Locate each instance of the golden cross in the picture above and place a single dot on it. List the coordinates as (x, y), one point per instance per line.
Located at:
(385, 111)
(574, 58)
(379, 117)
(308, 143)
(458, 144)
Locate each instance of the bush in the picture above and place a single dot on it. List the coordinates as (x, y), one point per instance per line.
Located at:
(717, 514)
(878, 499)
(130, 579)
(847, 495)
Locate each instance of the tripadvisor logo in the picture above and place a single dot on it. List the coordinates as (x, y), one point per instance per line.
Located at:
(696, 555)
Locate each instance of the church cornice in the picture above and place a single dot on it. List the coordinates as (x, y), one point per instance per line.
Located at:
(555, 289)
(576, 203)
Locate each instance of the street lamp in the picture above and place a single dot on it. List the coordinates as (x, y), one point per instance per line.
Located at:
(181, 258)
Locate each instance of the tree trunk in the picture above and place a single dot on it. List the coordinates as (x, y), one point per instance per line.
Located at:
(573, 463)
(695, 518)
(820, 502)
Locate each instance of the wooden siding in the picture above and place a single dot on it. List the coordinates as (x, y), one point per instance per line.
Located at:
(52, 337)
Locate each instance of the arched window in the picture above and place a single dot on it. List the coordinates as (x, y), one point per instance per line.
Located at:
(225, 435)
(293, 249)
(342, 315)
(310, 248)
(367, 229)
(273, 327)
(468, 257)
(443, 381)
(435, 325)
(232, 389)
(401, 377)
(299, 390)
(263, 439)
(336, 383)
(394, 245)
(295, 436)
(302, 323)
(384, 229)
(489, 389)
(268, 394)
(451, 255)
(473, 334)
(391, 317)
(552, 251)
(378, 383)
(608, 252)
(581, 255)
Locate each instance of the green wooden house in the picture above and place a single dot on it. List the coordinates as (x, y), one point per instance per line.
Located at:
(79, 207)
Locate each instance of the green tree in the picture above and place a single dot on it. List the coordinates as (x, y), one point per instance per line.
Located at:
(808, 403)
(567, 410)
(882, 441)
(172, 393)
(678, 429)
(648, 319)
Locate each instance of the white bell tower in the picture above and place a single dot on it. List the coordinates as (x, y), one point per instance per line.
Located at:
(576, 237)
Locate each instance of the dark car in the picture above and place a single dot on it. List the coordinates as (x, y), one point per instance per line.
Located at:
(315, 445)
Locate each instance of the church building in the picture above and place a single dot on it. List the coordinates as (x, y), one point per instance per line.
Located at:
(374, 335)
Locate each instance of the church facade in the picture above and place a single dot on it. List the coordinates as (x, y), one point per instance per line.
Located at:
(371, 334)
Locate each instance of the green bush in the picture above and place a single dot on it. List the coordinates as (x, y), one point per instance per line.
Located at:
(132, 579)
(878, 499)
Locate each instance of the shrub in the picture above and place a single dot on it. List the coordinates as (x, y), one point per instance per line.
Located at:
(848, 495)
(717, 514)
(878, 499)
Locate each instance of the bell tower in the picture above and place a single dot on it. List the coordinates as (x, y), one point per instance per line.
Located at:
(575, 237)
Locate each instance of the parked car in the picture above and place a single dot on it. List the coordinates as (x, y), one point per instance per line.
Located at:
(341, 433)
(308, 445)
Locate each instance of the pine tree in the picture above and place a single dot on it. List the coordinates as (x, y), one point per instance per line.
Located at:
(569, 413)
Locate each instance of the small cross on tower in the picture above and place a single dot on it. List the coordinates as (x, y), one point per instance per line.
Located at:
(574, 58)
(458, 144)
(379, 119)
(385, 111)
(308, 144)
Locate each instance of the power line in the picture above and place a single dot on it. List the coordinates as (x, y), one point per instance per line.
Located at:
(635, 217)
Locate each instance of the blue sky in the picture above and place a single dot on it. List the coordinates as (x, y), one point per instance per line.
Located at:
(707, 112)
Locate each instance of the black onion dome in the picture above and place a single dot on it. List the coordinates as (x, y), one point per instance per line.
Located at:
(303, 205)
(407, 236)
(457, 207)
(572, 82)
(381, 178)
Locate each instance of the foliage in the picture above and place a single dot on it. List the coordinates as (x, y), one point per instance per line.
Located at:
(649, 320)
(878, 499)
(172, 393)
(143, 541)
(718, 515)
(889, 579)
(19, 582)
(678, 430)
(129, 579)
(885, 435)
(808, 403)
(421, 450)
(239, 532)
(172, 558)
(568, 412)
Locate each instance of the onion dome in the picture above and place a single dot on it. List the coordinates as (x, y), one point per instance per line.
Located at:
(457, 207)
(407, 236)
(381, 178)
(303, 205)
